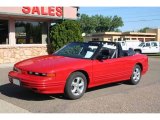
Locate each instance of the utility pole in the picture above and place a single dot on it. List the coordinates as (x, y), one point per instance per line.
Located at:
(62, 13)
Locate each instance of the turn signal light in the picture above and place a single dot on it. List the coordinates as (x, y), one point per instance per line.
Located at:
(51, 75)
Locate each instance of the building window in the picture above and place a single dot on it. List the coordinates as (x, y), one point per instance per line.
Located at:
(30, 32)
(126, 39)
(119, 39)
(95, 39)
(134, 38)
(4, 32)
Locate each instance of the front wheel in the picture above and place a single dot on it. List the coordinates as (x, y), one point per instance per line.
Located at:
(76, 85)
(136, 75)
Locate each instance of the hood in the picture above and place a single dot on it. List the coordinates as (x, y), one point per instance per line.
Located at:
(138, 47)
(48, 63)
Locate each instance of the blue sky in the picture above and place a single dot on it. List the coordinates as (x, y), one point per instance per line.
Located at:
(134, 18)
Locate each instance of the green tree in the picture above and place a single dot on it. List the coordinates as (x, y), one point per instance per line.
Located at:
(99, 23)
(143, 29)
(65, 32)
(87, 24)
(116, 22)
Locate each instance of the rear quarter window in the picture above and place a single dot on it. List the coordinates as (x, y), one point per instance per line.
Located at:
(154, 44)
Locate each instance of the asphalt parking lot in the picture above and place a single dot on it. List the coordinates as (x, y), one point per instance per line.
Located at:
(111, 98)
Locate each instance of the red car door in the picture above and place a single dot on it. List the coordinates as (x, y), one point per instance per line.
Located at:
(110, 70)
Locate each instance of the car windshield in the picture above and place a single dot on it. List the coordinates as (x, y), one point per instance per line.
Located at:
(142, 44)
(78, 50)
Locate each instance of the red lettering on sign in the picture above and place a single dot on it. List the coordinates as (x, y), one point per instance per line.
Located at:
(43, 11)
(26, 10)
(35, 10)
(51, 11)
(59, 11)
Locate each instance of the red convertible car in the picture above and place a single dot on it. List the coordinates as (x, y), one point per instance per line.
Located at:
(78, 66)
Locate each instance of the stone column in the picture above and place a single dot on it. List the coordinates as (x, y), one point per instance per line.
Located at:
(49, 25)
(45, 33)
(12, 37)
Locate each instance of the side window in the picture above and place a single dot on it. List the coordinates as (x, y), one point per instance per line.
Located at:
(147, 45)
(154, 44)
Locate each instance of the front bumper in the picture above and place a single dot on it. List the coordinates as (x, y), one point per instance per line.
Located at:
(40, 84)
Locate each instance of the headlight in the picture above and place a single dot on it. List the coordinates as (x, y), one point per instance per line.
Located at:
(16, 69)
(37, 73)
(42, 74)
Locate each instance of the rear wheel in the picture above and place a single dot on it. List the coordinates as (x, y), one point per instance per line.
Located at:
(137, 51)
(76, 85)
(136, 75)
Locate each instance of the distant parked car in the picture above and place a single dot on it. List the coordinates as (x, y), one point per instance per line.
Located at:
(78, 66)
(141, 47)
(148, 47)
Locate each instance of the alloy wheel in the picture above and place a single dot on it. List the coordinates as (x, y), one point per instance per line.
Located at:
(77, 86)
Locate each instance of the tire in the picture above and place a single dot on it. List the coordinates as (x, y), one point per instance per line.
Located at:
(76, 86)
(137, 51)
(136, 75)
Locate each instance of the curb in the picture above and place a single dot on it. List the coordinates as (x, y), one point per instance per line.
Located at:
(6, 107)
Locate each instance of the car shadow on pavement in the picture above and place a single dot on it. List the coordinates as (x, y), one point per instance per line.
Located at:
(104, 86)
(26, 94)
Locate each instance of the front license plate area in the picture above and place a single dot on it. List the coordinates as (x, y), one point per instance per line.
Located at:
(16, 81)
